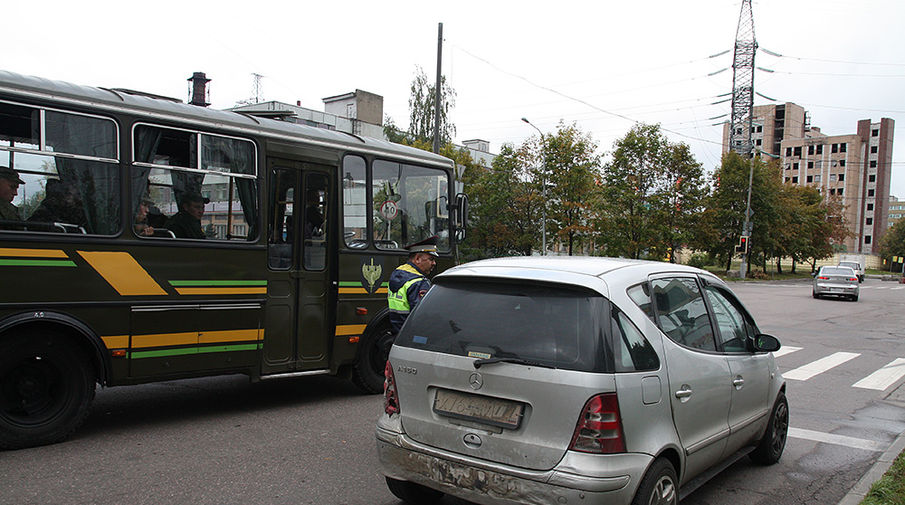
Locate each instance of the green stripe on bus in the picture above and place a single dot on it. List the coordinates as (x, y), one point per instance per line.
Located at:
(218, 283)
(36, 263)
(357, 284)
(193, 350)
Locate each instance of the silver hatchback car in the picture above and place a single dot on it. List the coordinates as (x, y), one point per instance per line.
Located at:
(576, 380)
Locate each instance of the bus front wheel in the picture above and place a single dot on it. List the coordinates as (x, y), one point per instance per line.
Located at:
(368, 371)
(46, 389)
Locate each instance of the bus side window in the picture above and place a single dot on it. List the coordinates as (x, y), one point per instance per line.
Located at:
(279, 227)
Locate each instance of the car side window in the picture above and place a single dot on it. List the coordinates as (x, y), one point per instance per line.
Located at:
(733, 331)
(640, 294)
(681, 312)
(632, 352)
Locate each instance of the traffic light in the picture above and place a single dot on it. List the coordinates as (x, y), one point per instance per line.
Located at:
(742, 246)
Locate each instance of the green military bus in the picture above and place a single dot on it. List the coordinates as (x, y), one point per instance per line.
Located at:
(155, 240)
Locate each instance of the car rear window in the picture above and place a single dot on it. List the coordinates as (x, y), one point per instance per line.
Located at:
(549, 324)
(837, 271)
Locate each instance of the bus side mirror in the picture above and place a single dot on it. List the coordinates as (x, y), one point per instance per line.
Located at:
(461, 216)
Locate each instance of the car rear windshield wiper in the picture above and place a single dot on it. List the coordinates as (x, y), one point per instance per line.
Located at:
(517, 361)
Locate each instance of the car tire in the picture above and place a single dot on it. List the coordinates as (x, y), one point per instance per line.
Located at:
(412, 493)
(46, 387)
(854, 298)
(660, 486)
(771, 445)
(368, 371)
(814, 294)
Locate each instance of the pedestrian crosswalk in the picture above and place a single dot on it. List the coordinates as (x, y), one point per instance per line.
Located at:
(879, 380)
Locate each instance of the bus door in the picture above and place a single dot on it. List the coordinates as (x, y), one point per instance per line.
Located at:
(300, 296)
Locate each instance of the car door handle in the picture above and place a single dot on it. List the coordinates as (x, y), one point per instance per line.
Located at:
(738, 382)
(684, 393)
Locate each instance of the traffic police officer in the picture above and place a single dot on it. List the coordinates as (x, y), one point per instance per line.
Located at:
(409, 283)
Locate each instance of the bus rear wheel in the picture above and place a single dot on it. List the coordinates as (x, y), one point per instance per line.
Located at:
(46, 389)
(367, 374)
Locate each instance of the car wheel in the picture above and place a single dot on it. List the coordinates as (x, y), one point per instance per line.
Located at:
(659, 485)
(814, 294)
(46, 389)
(369, 368)
(854, 298)
(415, 494)
(770, 447)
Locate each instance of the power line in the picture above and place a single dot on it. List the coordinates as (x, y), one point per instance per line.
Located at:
(801, 58)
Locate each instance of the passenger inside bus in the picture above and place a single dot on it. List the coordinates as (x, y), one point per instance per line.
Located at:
(187, 222)
(62, 206)
(142, 226)
(9, 188)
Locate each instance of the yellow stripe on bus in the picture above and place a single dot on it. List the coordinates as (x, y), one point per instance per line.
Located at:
(212, 337)
(122, 272)
(360, 291)
(116, 341)
(350, 329)
(164, 339)
(222, 291)
(33, 253)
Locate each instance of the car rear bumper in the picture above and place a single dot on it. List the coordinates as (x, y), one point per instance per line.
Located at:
(578, 478)
(836, 289)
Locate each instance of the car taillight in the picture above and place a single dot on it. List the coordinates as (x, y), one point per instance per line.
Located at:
(823, 278)
(599, 428)
(390, 397)
(853, 278)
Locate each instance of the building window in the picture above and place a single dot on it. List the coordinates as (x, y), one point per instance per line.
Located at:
(832, 191)
(874, 133)
(788, 151)
(869, 221)
(794, 180)
(839, 192)
(810, 149)
(758, 142)
(819, 148)
(841, 163)
(841, 177)
(810, 178)
(818, 164)
(798, 151)
(870, 193)
(873, 164)
(817, 178)
(794, 166)
(760, 129)
(810, 164)
(832, 177)
(842, 147)
(873, 149)
(867, 239)
(870, 206)
(787, 179)
(872, 178)
(835, 148)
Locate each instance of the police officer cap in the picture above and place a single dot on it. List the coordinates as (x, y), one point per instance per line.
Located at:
(428, 245)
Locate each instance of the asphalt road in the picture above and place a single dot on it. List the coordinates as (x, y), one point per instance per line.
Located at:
(310, 440)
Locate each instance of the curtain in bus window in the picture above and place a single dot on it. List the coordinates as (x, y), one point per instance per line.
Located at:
(236, 157)
(145, 145)
(82, 135)
(91, 191)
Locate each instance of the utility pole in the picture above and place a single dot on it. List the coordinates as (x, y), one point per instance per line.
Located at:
(437, 89)
(743, 109)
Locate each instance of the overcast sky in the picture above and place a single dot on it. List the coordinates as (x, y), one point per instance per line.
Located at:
(581, 62)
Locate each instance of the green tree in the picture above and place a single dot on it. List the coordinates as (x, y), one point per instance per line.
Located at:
(504, 217)
(421, 108)
(893, 242)
(652, 197)
(564, 173)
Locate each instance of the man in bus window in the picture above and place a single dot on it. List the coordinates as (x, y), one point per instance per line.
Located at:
(142, 226)
(187, 222)
(62, 204)
(9, 188)
(408, 283)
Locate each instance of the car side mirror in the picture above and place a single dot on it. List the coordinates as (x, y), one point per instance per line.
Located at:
(766, 343)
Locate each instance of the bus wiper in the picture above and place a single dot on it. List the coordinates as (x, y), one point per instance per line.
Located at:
(518, 361)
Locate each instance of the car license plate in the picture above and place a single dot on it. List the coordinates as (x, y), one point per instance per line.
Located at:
(483, 409)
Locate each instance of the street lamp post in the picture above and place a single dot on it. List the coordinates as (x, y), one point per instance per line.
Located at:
(543, 181)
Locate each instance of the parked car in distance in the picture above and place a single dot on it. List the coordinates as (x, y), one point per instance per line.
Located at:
(854, 265)
(836, 281)
(576, 380)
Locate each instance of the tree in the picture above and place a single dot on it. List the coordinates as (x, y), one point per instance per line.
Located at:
(893, 242)
(652, 196)
(421, 108)
(564, 172)
(504, 216)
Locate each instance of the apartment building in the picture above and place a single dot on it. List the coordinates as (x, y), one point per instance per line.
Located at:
(854, 168)
(896, 211)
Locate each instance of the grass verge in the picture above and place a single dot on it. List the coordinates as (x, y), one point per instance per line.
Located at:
(890, 489)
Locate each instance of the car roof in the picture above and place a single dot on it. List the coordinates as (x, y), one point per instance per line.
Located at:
(590, 272)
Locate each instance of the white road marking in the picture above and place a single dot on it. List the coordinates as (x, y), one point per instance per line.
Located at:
(898, 288)
(805, 372)
(884, 377)
(829, 438)
(786, 349)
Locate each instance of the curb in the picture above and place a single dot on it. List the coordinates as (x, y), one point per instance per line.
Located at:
(857, 493)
